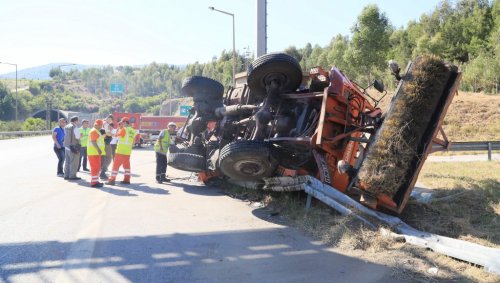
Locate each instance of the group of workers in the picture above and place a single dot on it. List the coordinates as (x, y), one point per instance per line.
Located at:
(101, 145)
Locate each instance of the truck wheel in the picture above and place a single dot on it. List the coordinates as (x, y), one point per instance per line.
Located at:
(274, 66)
(202, 87)
(247, 160)
(186, 161)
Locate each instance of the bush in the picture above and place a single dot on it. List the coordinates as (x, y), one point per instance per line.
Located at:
(33, 124)
(10, 126)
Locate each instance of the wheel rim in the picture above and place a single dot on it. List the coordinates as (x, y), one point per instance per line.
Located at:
(250, 167)
(246, 161)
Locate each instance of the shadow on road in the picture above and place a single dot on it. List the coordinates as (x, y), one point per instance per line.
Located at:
(269, 215)
(116, 192)
(124, 190)
(198, 189)
(275, 255)
(145, 188)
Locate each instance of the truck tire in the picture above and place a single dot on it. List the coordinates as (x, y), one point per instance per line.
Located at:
(247, 160)
(278, 66)
(202, 87)
(186, 161)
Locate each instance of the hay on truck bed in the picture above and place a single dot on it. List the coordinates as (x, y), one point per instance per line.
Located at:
(388, 163)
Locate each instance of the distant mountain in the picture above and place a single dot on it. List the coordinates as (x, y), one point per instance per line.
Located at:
(41, 72)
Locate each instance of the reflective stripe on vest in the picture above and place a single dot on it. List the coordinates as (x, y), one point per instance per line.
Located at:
(125, 143)
(91, 150)
(84, 136)
(165, 142)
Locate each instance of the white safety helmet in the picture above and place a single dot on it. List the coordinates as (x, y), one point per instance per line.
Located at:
(171, 124)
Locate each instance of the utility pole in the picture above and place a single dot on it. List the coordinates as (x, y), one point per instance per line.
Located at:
(261, 27)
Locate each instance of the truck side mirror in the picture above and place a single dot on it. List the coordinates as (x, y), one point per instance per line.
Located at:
(395, 69)
(378, 85)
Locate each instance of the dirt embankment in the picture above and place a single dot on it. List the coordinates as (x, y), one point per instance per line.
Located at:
(473, 117)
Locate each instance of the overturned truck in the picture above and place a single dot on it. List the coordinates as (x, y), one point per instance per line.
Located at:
(281, 126)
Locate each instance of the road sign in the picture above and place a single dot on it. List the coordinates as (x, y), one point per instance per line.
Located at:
(185, 110)
(116, 88)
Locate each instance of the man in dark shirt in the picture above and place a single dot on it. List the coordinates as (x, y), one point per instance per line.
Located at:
(58, 138)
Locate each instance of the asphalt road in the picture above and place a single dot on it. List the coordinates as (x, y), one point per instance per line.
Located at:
(52, 230)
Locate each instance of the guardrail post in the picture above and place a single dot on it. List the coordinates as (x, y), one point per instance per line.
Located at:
(489, 151)
(308, 202)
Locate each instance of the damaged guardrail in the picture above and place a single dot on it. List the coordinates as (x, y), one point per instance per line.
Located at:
(462, 250)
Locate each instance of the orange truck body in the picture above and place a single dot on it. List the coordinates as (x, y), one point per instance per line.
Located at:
(148, 127)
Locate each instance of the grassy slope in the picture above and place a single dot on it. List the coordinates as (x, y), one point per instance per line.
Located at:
(473, 117)
(470, 117)
(466, 201)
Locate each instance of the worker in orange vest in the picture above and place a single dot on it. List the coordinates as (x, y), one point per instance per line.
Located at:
(126, 135)
(95, 152)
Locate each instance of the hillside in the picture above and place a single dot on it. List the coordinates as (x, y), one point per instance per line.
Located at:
(471, 116)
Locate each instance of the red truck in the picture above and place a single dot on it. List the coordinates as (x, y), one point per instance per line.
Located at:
(148, 127)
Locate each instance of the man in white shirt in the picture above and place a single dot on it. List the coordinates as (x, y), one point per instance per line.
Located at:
(114, 140)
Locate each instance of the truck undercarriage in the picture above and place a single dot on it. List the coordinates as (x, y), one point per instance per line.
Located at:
(281, 125)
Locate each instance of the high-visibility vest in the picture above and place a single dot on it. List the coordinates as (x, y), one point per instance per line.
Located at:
(91, 150)
(125, 143)
(84, 136)
(165, 142)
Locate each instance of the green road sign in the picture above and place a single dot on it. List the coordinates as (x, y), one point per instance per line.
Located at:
(185, 110)
(116, 88)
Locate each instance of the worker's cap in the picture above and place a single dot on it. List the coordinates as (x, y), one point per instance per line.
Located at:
(98, 122)
(171, 124)
(124, 119)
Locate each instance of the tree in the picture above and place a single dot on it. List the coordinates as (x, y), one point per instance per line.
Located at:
(401, 47)
(292, 51)
(133, 106)
(315, 54)
(370, 42)
(338, 48)
(55, 72)
(4, 92)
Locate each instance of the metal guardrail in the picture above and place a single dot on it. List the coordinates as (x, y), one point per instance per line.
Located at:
(23, 134)
(472, 146)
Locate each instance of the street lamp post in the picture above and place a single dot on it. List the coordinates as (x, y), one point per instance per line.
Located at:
(234, 48)
(12, 64)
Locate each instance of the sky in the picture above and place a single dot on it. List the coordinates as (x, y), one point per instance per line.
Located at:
(137, 32)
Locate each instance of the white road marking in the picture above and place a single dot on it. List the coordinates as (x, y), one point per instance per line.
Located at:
(83, 248)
